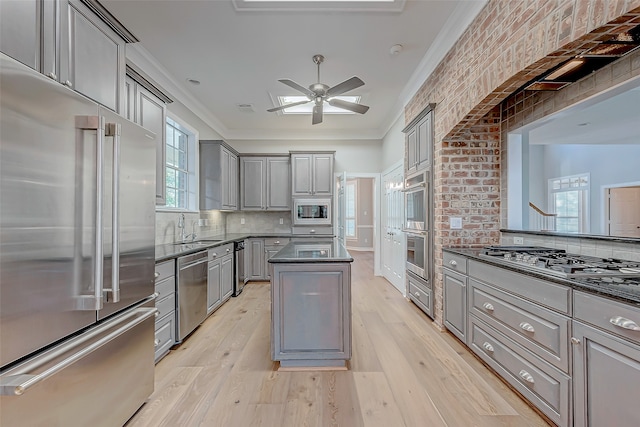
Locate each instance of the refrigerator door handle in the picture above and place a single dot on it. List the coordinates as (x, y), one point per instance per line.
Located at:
(18, 383)
(114, 130)
(96, 123)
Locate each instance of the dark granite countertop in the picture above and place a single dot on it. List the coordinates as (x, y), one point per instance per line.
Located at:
(174, 250)
(629, 295)
(312, 251)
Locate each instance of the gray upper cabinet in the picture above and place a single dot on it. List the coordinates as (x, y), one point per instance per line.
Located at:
(264, 183)
(146, 106)
(77, 43)
(218, 176)
(419, 141)
(312, 173)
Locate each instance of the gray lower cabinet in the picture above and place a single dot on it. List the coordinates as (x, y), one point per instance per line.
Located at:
(455, 303)
(165, 328)
(71, 44)
(254, 259)
(265, 183)
(420, 292)
(219, 276)
(606, 362)
(272, 246)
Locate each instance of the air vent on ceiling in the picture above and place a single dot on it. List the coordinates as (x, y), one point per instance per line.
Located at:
(245, 108)
(587, 62)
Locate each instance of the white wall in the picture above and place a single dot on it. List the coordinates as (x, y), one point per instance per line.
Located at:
(178, 111)
(393, 144)
(354, 156)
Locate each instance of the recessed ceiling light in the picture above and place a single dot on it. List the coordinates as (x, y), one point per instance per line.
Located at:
(194, 82)
(395, 49)
(584, 124)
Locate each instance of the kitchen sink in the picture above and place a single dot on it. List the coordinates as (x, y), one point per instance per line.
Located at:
(197, 243)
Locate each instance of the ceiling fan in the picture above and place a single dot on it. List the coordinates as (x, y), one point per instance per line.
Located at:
(320, 93)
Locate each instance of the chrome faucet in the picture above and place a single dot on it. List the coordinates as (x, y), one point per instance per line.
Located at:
(181, 226)
(193, 234)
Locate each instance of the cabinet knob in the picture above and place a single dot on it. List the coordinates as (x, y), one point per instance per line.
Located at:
(623, 323)
(157, 274)
(488, 347)
(575, 340)
(156, 295)
(526, 376)
(213, 255)
(52, 76)
(488, 306)
(527, 327)
(312, 231)
(277, 242)
(68, 83)
(156, 342)
(228, 250)
(418, 294)
(453, 262)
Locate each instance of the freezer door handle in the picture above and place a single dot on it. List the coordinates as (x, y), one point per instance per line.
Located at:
(18, 383)
(114, 130)
(96, 123)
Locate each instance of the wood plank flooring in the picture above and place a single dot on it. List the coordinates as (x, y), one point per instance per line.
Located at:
(404, 372)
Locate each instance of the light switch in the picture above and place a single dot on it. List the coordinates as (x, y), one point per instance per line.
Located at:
(455, 223)
(242, 221)
(281, 221)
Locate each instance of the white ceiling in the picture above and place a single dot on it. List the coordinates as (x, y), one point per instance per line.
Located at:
(238, 56)
(612, 117)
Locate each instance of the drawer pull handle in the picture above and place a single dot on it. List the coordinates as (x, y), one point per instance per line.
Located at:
(417, 294)
(157, 274)
(228, 250)
(527, 327)
(277, 242)
(575, 341)
(527, 377)
(453, 262)
(488, 347)
(156, 343)
(623, 323)
(488, 306)
(155, 295)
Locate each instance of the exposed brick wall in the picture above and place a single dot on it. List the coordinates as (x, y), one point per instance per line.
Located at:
(508, 44)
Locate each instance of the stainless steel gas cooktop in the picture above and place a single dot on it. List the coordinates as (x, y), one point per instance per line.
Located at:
(557, 262)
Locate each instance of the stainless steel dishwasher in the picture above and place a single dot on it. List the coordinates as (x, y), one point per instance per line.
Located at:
(192, 293)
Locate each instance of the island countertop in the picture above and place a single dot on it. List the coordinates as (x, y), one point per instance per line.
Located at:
(312, 251)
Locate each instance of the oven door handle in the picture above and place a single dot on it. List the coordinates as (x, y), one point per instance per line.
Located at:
(420, 233)
(414, 187)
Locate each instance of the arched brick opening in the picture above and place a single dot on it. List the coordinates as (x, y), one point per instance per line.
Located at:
(506, 46)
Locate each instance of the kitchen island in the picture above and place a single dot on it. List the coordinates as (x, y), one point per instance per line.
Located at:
(311, 305)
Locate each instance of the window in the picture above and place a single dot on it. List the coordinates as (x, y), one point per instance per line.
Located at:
(569, 200)
(180, 166)
(350, 191)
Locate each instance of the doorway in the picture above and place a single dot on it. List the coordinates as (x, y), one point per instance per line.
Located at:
(392, 237)
(623, 211)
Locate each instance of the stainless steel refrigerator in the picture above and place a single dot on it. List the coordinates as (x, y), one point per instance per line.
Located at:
(77, 229)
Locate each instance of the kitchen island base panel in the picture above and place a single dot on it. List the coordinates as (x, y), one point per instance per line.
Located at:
(313, 365)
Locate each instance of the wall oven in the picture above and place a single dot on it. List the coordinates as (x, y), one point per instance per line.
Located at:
(311, 211)
(416, 206)
(418, 253)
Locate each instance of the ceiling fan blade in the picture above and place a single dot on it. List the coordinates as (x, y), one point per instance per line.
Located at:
(345, 86)
(282, 107)
(297, 87)
(317, 114)
(351, 106)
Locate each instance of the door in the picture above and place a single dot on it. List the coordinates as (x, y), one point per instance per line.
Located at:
(392, 257)
(341, 207)
(254, 266)
(128, 212)
(233, 181)
(20, 31)
(47, 211)
(301, 178)
(214, 276)
(624, 211)
(226, 276)
(322, 174)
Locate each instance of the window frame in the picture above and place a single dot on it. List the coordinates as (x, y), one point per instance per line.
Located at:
(192, 167)
(354, 184)
(583, 190)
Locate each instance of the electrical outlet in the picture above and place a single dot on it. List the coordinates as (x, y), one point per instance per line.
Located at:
(281, 221)
(366, 240)
(242, 221)
(455, 223)
(518, 240)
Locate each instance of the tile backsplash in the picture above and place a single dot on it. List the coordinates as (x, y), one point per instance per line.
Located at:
(579, 245)
(204, 224)
(266, 222)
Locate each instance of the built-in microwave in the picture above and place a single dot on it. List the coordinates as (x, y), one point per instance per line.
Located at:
(311, 211)
(416, 206)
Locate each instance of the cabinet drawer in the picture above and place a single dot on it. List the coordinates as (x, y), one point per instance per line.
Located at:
(543, 385)
(541, 331)
(276, 241)
(541, 291)
(220, 251)
(166, 305)
(312, 231)
(165, 269)
(420, 293)
(165, 287)
(454, 262)
(615, 317)
(164, 337)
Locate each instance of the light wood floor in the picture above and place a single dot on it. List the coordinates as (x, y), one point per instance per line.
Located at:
(404, 372)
